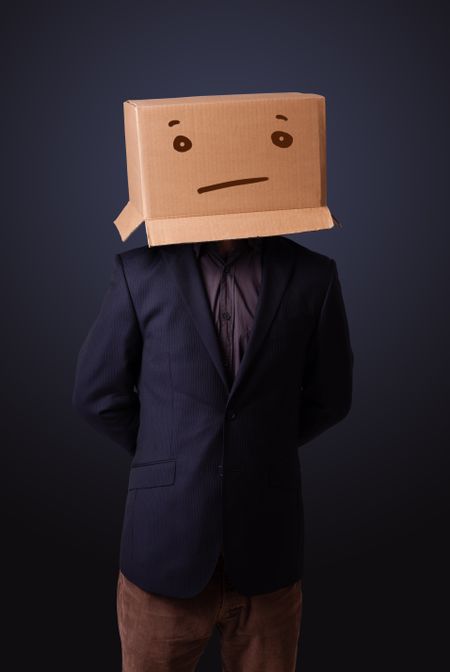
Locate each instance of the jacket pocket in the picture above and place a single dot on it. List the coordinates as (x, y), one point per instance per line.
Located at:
(152, 474)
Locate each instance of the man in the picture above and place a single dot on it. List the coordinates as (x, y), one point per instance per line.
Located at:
(211, 363)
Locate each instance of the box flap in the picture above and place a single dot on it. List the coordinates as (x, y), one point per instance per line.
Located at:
(128, 220)
(234, 225)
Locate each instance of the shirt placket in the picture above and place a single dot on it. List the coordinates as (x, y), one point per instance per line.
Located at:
(226, 315)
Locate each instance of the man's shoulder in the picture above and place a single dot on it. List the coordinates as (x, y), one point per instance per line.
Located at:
(304, 255)
(139, 258)
(137, 253)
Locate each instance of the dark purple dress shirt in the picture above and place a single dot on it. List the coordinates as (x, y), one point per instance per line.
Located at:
(232, 285)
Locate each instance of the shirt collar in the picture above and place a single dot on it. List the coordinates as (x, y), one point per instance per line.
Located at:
(254, 243)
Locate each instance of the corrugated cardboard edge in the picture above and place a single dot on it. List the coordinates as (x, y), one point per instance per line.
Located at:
(133, 213)
(322, 132)
(237, 225)
(135, 174)
(128, 220)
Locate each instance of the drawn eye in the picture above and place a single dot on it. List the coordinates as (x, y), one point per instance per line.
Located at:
(182, 143)
(281, 139)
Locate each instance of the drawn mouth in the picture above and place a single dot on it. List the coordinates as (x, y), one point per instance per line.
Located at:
(231, 183)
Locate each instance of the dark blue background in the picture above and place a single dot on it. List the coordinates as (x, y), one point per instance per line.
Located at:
(376, 485)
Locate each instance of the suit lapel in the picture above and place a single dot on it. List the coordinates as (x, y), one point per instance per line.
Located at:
(182, 263)
(277, 266)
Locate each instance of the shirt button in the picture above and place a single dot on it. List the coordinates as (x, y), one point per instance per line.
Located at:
(225, 315)
(226, 269)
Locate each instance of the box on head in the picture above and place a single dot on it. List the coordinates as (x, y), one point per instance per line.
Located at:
(217, 167)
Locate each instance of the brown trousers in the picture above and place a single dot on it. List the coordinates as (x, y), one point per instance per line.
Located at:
(166, 634)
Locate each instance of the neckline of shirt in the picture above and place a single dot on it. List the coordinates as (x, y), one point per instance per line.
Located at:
(200, 247)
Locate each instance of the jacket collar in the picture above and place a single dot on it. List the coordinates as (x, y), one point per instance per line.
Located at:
(200, 247)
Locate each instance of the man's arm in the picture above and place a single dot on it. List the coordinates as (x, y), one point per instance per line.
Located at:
(326, 396)
(108, 366)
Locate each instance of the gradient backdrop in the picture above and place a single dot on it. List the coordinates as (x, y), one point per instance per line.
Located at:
(376, 485)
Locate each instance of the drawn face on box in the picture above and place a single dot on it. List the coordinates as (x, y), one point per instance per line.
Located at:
(230, 157)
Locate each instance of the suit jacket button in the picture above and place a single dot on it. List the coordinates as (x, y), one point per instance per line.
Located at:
(232, 415)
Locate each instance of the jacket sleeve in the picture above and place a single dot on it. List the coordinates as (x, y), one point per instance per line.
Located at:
(326, 392)
(108, 366)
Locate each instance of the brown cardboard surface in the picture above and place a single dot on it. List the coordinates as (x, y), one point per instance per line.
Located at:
(225, 166)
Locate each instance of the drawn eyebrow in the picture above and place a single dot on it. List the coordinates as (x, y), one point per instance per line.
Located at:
(174, 121)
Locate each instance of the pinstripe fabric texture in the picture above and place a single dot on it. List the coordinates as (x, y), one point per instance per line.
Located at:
(232, 284)
(214, 461)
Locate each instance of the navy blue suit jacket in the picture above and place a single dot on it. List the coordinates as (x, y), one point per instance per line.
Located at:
(211, 463)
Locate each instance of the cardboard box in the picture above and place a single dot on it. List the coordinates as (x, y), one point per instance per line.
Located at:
(226, 166)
